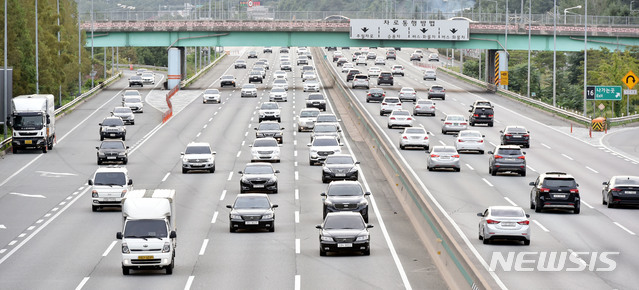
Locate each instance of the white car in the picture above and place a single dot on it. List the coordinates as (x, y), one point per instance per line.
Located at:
(141, 71)
(397, 69)
(309, 75)
(266, 66)
(148, 77)
(286, 66)
(504, 222)
(265, 149)
(401, 118)
(380, 60)
(135, 103)
(346, 67)
(454, 123)
(280, 74)
(414, 137)
(248, 90)
(361, 59)
(306, 119)
(302, 59)
(311, 86)
(328, 118)
(430, 74)
(389, 104)
(321, 147)
(280, 83)
(470, 140)
(107, 186)
(131, 93)
(277, 94)
(374, 71)
(269, 111)
(211, 95)
(408, 93)
(198, 156)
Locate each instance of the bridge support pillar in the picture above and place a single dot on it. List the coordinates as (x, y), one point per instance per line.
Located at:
(175, 69)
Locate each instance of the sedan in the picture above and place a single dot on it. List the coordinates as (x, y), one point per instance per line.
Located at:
(251, 211)
(324, 118)
(280, 74)
(321, 147)
(211, 95)
(255, 76)
(280, 83)
(340, 167)
(415, 57)
(344, 232)
(430, 74)
(620, 190)
(515, 135)
(414, 137)
(134, 103)
(454, 123)
(227, 80)
(316, 100)
(125, 114)
(259, 176)
(311, 86)
(252, 54)
(270, 129)
(277, 94)
(240, 63)
(113, 151)
(443, 157)
(374, 71)
(286, 66)
(408, 93)
(248, 90)
(375, 94)
(325, 129)
(148, 77)
(470, 140)
(136, 81)
(345, 196)
(401, 118)
(437, 91)
(306, 119)
(342, 61)
(265, 149)
(380, 60)
(309, 75)
(346, 67)
(504, 223)
(424, 107)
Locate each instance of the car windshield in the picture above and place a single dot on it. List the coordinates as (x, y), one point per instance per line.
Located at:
(325, 128)
(516, 130)
(211, 91)
(256, 73)
(309, 114)
(326, 118)
(315, 97)
(269, 106)
(415, 131)
(350, 189)
(265, 142)
(147, 75)
(278, 90)
(122, 110)
(455, 118)
(482, 103)
(112, 145)
(325, 142)
(197, 150)
(507, 212)
(258, 169)
(112, 122)
(344, 222)
(145, 229)
(560, 182)
(245, 202)
(269, 126)
(279, 81)
(132, 100)
(509, 151)
(443, 150)
(110, 178)
(391, 100)
(331, 159)
(240, 61)
(249, 86)
(400, 113)
(135, 78)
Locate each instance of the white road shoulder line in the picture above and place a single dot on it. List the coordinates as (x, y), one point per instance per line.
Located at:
(624, 228)
(564, 155)
(189, 282)
(203, 248)
(109, 249)
(487, 182)
(82, 283)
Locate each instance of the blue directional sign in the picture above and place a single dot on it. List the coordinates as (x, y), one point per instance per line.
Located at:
(603, 93)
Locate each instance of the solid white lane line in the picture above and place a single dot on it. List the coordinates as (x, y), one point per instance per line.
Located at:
(531, 168)
(510, 201)
(624, 228)
(230, 176)
(564, 155)
(297, 216)
(203, 248)
(109, 248)
(595, 171)
(297, 193)
(166, 176)
(540, 226)
(542, 144)
(223, 194)
(297, 246)
(214, 217)
(298, 282)
(588, 205)
(487, 182)
(469, 167)
(84, 281)
(189, 282)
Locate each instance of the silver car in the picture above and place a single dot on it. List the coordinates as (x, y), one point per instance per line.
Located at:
(125, 114)
(311, 86)
(321, 147)
(443, 157)
(414, 137)
(198, 156)
(424, 107)
(454, 123)
(265, 149)
(408, 93)
(280, 83)
(504, 223)
(131, 93)
(248, 90)
(135, 103)
(269, 111)
(277, 94)
(306, 119)
(401, 118)
(328, 118)
(430, 74)
(325, 129)
(212, 95)
(309, 75)
(148, 77)
(470, 140)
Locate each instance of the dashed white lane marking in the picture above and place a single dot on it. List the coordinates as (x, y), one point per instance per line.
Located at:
(531, 168)
(204, 127)
(469, 167)
(210, 119)
(595, 171)
(82, 283)
(297, 216)
(203, 248)
(588, 205)
(230, 176)
(297, 175)
(223, 194)
(166, 176)
(542, 144)
(243, 142)
(30, 228)
(564, 155)
(3, 227)
(109, 248)
(298, 281)
(2, 251)
(624, 228)
(487, 182)
(297, 246)
(510, 201)
(541, 226)
(297, 194)
(189, 282)
(238, 154)
(214, 217)
(13, 242)
(295, 153)
(22, 235)
(198, 135)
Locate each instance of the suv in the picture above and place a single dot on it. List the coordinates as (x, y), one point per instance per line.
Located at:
(316, 100)
(113, 150)
(437, 91)
(507, 158)
(345, 196)
(556, 190)
(351, 74)
(112, 127)
(321, 147)
(481, 115)
(270, 129)
(360, 80)
(248, 90)
(389, 104)
(391, 54)
(255, 76)
(108, 186)
(267, 49)
(198, 156)
(227, 80)
(385, 77)
(516, 135)
(269, 111)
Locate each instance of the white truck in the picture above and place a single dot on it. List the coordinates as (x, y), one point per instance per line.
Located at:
(33, 122)
(148, 230)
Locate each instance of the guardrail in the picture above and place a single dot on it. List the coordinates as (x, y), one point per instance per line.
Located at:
(203, 70)
(74, 101)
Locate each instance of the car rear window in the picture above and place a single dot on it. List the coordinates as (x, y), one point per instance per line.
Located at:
(516, 130)
(509, 151)
(627, 181)
(507, 212)
(560, 182)
(361, 77)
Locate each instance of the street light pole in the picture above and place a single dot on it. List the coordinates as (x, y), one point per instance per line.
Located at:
(529, 29)
(554, 55)
(36, 48)
(585, 51)
(6, 97)
(566, 11)
(92, 74)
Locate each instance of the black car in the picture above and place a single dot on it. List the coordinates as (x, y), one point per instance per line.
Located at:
(437, 91)
(267, 49)
(385, 77)
(555, 190)
(252, 54)
(481, 115)
(136, 81)
(252, 211)
(270, 129)
(240, 63)
(620, 190)
(284, 49)
(344, 232)
(329, 48)
(375, 94)
(371, 55)
(227, 80)
(316, 100)
(112, 127)
(415, 56)
(113, 151)
(258, 177)
(255, 77)
(351, 74)
(507, 158)
(340, 167)
(515, 135)
(345, 196)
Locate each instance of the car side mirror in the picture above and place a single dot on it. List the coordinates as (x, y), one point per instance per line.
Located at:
(274, 206)
(501, 131)
(479, 214)
(182, 153)
(470, 111)
(118, 235)
(341, 144)
(356, 162)
(96, 147)
(319, 227)
(282, 128)
(323, 194)
(605, 183)
(240, 172)
(483, 136)
(309, 144)
(229, 206)
(130, 182)
(255, 129)
(99, 124)
(442, 120)
(527, 215)
(277, 171)
(173, 235)
(214, 152)
(369, 226)
(367, 193)
(532, 183)
(251, 145)
(490, 152)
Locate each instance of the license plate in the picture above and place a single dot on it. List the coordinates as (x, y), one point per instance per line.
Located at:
(28, 142)
(109, 199)
(258, 186)
(112, 135)
(630, 192)
(508, 224)
(456, 124)
(251, 222)
(110, 157)
(559, 196)
(483, 116)
(340, 174)
(515, 136)
(345, 245)
(145, 257)
(445, 158)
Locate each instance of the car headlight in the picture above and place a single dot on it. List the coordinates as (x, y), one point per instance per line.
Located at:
(94, 194)
(353, 169)
(272, 179)
(101, 154)
(328, 202)
(338, 150)
(166, 248)
(327, 239)
(122, 154)
(185, 159)
(236, 217)
(362, 238)
(209, 160)
(362, 203)
(268, 216)
(125, 249)
(313, 151)
(326, 169)
(244, 180)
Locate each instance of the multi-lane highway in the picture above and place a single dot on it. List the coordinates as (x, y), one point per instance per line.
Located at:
(49, 238)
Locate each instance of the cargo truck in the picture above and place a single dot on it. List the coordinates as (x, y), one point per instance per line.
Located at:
(33, 122)
(148, 230)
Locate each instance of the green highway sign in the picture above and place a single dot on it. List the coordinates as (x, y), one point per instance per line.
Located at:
(603, 93)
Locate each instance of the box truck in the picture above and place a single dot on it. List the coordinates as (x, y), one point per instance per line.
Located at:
(33, 122)
(148, 230)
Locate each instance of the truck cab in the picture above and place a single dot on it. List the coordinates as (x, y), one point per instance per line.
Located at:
(33, 122)
(108, 186)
